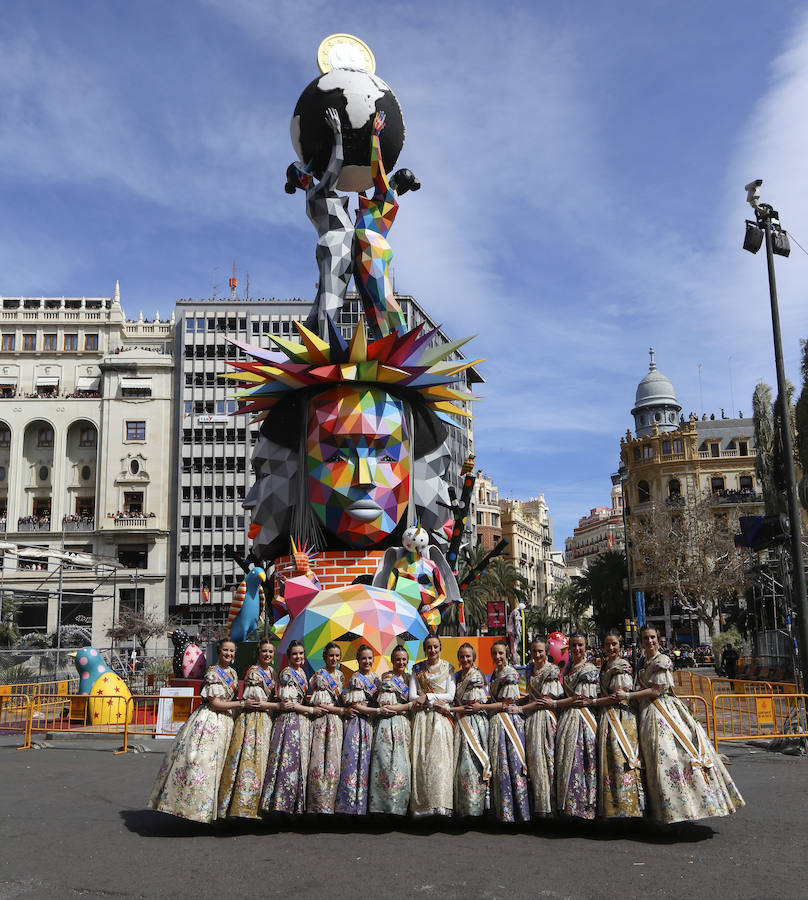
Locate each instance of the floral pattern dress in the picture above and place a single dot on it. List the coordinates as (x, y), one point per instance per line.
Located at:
(390, 764)
(576, 774)
(288, 764)
(187, 784)
(432, 742)
(540, 736)
(510, 797)
(472, 765)
(326, 743)
(685, 776)
(246, 761)
(620, 782)
(352, 792)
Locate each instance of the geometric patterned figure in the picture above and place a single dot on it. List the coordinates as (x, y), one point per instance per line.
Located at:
(352, 615)
(189, 660)
(372, 252)
(328, 212)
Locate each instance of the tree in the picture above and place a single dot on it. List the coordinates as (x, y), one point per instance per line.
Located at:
(137, 625)
(9, 633)
(764, 446)
(569, 605)
(500, 581)
(689, 554)
(603, 584)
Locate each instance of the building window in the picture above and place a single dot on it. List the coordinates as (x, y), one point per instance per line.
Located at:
(87, 437)
(71, 342)
(715, 451)
(643, 492)
(5, 437)
(133, 503)
(50, 342)
(717, 484)
(745, 483)
(43, 473)
(677, 445)
(674, 489)
(648, 451)
(8, 341)
(90, 341)
(29, 342)
(743, 448)
(44, 437)
(86, 472)
(135, 431)
(637, 453)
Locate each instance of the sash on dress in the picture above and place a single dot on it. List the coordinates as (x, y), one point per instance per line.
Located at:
(476, 747)
(586, 713)
(267, 679)
(368, 684)
(510, 730)
(223, 674)
(330, 682)
(631, 753)
(400, 685)
(699, 758)
(300, 680)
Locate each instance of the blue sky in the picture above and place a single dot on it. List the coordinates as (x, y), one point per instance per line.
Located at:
(582, 167)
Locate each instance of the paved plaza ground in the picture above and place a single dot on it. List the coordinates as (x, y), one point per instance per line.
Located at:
(73, 824)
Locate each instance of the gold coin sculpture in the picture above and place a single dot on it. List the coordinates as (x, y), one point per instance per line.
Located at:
(344, 51)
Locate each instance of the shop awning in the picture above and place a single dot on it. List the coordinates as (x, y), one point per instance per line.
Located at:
(8, 382)
(136, 384)
(47, 382)
(88, 383)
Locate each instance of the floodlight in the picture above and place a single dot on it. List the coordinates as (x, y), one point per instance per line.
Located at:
(753, 237)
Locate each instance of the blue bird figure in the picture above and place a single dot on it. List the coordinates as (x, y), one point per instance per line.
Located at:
(247, 604)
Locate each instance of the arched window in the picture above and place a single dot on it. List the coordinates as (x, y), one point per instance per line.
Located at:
(674, 488)
(643, 492)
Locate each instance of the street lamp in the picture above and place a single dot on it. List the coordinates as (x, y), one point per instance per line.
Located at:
(767, 221)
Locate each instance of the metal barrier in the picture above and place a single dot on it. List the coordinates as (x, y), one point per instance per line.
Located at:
(701, 712)
(743, 717)
(79, 714)
(15, 717)
(34, 689)
(155, 716)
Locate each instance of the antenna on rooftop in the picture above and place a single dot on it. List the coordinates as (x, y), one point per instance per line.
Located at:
(246, 285)
(233, 282)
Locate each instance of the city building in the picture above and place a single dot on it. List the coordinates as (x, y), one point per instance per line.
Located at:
(212, 474)
(487, 514)
(598, 532)
(672, 460)
(85, 457)
(527, 527)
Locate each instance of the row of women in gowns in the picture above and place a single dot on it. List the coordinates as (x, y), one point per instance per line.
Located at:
(440, 742)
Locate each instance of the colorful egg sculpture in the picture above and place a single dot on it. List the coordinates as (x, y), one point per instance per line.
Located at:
(108, 693)
(189, 659)
(558, 649)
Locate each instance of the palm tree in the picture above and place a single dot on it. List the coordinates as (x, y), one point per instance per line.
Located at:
(603, 585)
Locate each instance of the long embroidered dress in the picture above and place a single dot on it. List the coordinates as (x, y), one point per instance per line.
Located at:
(246, 761)
(352, 793)
(390, 764)
(620, 783)
(510, 798)
(540, 735)
(326, 743)
(187, 784)
(285, 782)
(576, 776)
(472, 766)
(685, 776)
(432, 742)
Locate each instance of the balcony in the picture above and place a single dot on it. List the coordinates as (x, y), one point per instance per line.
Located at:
(729, 496)
(78, 523)
(133, 520)
(33, 523)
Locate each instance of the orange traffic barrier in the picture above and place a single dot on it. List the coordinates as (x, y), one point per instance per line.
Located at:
(157, 717)
(79, 714)
(743, 717)
(700, 710)
(15, 716)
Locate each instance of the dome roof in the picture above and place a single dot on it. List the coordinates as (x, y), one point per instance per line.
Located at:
(655, 389)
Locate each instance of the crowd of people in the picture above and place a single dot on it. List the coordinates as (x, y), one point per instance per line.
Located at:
(130, 515)
(583, 743)
(42, 522)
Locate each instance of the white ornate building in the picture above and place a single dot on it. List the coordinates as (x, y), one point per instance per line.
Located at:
(85, 460)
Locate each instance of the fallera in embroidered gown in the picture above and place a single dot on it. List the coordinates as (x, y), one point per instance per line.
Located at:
(288, 764)
(326, 743)
(576, 773)
(472, 765)
(390, 764)
(352, 792)
(187, 784)
(620, 779)
(246, 761)
(432, 742)
(510, 798)
(540, 735)
(684, 775)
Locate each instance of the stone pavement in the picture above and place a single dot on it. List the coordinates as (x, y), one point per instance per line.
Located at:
(73, 824)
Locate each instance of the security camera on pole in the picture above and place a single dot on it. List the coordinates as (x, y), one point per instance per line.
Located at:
(767, 225)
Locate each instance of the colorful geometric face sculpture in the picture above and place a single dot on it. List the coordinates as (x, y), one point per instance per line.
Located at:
(358, 463)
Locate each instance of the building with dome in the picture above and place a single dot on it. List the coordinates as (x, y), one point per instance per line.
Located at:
(671, 462)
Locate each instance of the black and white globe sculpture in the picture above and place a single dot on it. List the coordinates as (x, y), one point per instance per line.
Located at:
(357, 95)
